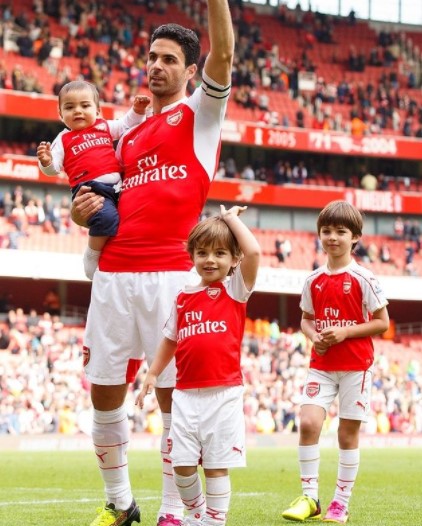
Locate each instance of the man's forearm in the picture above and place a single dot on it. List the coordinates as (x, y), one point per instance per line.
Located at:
(220, 31)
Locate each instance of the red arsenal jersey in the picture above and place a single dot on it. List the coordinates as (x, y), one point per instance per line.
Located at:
(208, 325)
(89, 153)
(168, 164)
(343, 298)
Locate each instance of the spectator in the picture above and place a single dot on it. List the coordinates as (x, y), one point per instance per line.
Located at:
(415, 235)
(357, 126)
(300, 173)
(221, 170)
(52, 303)
(52, 215)
(119, 95)
(231, 169)
(398, 228)
(385, 254)
(409, 257)
(248, 173)
(300, 119)
(13, 236)
(361, 252)
(369, 182)
(279, 252)
(25, 45)
(373, 252)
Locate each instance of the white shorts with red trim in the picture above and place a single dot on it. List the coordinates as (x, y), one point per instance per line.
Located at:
(126, 317)
(208, 428)
(352, 387)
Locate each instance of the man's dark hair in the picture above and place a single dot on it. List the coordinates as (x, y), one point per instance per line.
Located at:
(186, 38)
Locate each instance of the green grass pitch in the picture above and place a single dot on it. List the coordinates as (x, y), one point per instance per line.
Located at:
(63, 488)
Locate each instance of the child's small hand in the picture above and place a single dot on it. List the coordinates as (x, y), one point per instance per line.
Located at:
(334, 335)
(233, 211)
(44, 153)
(320, 345)
(140, 103)
(147, 388)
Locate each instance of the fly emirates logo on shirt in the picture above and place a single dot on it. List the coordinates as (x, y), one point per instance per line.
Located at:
(332, 319)
(195, 326)
(151, 170)
(90, 140)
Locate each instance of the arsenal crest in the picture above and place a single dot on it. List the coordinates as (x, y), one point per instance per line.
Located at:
(347, 286)
(312, 389)
(175, 118)
(102, 126)
(86, 353)
(213, 293)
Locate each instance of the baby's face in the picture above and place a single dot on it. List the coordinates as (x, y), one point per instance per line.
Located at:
(78, 109)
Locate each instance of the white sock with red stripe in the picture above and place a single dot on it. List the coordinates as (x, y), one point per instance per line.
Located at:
(217, 497)
(309, 457)
(348, 467)
(190, 490)
(171, 502)
(110, 434)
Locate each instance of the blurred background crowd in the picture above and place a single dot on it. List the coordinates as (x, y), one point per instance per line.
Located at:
(44, 390)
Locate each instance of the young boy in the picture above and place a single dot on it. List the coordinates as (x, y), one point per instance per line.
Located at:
(342, 306)
(85, 152)
(204, 333)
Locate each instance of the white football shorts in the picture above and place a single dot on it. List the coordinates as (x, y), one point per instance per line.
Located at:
(126, 317)
(208, 428)
(352, 387)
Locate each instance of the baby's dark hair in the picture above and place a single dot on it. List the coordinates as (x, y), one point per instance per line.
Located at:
(341, 213)
(186, 38)
(79, 85)
(213, 231)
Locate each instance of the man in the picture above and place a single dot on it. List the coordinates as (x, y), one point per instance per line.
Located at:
(168, 164)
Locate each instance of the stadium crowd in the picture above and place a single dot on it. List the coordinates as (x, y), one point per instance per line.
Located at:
(259, 68)
(42, 384)
(43, 388)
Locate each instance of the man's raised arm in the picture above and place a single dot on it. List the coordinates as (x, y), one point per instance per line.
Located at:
(218, 64)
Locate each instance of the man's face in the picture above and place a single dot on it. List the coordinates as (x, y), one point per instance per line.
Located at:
(166, 70)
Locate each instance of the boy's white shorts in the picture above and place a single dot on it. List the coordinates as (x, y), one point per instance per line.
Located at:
(352, 387)
(208, 428)
(126, 317)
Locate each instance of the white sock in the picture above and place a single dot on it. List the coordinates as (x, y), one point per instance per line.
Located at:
(348, 466)
(190, 491)
(110, 434)
(90, 260)
(217, 497)
(171, 502)
(309, 457)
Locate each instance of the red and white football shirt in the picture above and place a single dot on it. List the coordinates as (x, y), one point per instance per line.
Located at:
(208, 325)
(88, 154)
(343, 298)
(168, 164)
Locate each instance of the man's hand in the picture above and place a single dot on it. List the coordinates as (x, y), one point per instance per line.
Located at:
(85, 205)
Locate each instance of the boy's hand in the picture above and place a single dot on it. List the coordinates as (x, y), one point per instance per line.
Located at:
(44, 153)
(140, 104)
(147, 388)
(233, 211)
(320, 345)
(333, 335)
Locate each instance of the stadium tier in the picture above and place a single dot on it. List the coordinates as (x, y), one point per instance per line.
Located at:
(313, 117)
